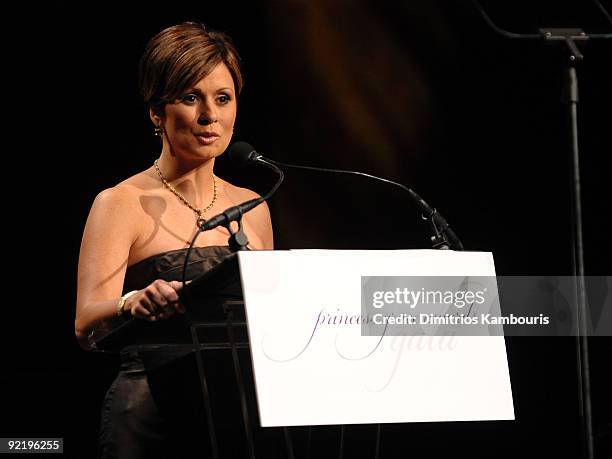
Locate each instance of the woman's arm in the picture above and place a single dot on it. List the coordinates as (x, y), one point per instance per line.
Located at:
(110, 231)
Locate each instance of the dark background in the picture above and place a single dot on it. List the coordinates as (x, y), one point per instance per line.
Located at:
(421, 92)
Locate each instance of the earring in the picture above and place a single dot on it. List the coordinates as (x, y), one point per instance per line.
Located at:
(157, 131)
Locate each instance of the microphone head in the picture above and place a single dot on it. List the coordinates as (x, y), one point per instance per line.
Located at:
(242, 154)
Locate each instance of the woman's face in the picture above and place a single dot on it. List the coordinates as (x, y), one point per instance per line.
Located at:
(199, 124)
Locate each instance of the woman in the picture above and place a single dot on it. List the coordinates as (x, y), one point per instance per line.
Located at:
(135, 238)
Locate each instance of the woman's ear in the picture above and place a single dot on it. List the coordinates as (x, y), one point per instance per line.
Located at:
(157, 120)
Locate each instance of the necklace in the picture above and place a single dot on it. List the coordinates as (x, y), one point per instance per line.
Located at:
(199, 212)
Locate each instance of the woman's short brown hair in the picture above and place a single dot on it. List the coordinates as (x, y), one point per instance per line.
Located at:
(178, 57)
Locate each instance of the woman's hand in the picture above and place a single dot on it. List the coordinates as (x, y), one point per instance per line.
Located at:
(159, 300)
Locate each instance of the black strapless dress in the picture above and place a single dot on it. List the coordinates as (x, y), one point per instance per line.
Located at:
(154, 408)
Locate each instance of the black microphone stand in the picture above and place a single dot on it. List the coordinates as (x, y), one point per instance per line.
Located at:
(568, 37)
(237, 241)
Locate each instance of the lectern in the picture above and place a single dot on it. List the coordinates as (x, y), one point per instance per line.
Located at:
(293, 396)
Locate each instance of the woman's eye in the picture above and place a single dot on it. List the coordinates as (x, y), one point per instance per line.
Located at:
(224, 99)
(189, 98)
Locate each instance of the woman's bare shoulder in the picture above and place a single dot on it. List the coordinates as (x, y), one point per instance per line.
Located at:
(129, 190)
(141, 182)
(125, 196)
(236, 194)
(258, 218)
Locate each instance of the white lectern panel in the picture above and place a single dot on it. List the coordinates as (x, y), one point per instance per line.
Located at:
(313, 367)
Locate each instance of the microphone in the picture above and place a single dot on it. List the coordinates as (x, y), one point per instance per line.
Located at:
(241, 153)
(443, 236)
(230, 214)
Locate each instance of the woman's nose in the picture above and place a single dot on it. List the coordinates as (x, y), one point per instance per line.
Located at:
(208, 114)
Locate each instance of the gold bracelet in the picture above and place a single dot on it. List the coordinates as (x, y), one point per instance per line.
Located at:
(121, 302)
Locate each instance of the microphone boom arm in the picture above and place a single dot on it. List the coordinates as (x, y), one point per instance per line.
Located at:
(443, 236)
